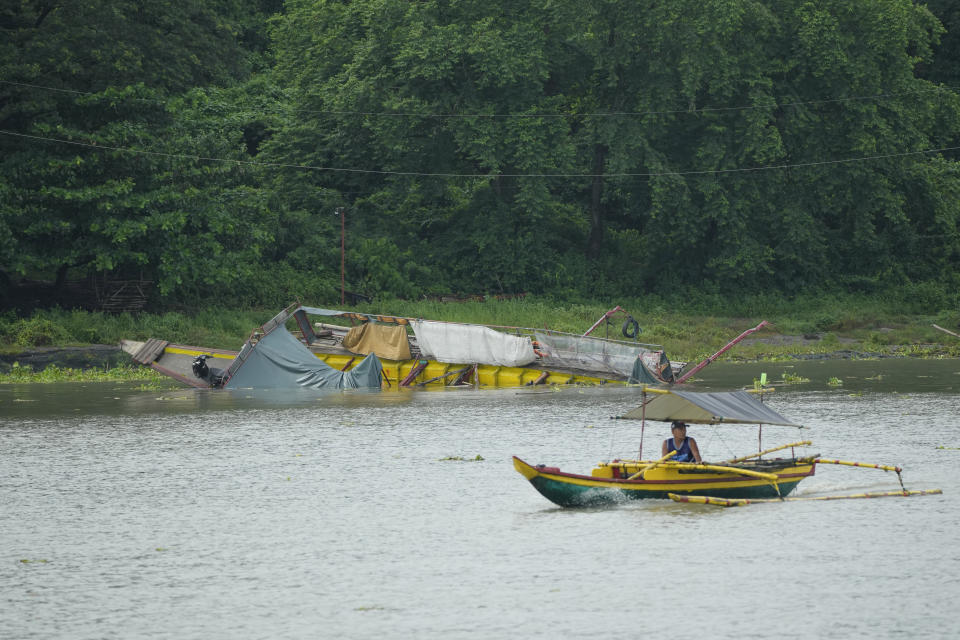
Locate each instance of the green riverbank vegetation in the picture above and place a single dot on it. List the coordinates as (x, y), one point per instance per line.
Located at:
(689, 329)
(147, 378)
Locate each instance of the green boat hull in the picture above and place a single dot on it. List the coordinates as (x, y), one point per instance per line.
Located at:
(574, 495)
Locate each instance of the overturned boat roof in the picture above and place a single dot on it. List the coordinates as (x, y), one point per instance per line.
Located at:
(728, 407)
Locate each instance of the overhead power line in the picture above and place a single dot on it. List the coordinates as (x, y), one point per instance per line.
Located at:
(424, 174)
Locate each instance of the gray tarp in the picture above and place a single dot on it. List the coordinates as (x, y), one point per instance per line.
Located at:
(316, 311)
(280, 361)
(709, 408)
(589, 354)
(642, 375)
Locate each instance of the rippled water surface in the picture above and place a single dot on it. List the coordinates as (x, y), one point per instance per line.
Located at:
(192, 514)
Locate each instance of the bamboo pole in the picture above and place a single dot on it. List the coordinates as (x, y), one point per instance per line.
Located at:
(449, 373)
(946, 331)
(740, 502)
(760, 453)
(719, 353)
(769, 477)
(605, 316)
(639, 474)
(866, 465)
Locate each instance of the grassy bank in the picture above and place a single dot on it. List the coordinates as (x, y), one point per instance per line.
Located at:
(688, 331)
(692, 332)
(148, 378)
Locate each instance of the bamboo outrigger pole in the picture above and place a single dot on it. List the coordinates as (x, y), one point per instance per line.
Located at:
(866, 465)
(760, 453)
(859, 464)
(740, 502)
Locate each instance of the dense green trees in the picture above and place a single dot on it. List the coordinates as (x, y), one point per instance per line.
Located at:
(85, 80)
(593, 148)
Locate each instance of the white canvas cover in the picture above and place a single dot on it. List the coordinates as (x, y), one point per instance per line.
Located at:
(471, 344)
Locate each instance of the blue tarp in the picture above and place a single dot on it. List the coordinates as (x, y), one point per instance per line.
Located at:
(280, 361)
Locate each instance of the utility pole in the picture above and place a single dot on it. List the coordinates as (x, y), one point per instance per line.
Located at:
(342, 212)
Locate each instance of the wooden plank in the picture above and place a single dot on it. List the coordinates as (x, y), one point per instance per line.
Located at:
(150, 351)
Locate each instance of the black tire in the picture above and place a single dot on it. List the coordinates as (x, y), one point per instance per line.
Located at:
(631, 328)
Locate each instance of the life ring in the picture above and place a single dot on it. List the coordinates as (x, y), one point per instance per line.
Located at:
(631, 328)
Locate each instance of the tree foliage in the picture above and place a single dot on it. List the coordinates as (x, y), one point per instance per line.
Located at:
(106, 107)
(597, 148)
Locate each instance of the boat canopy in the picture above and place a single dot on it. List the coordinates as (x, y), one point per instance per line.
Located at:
(697, 407)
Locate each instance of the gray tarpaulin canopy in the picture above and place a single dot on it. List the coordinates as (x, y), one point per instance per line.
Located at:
(280, 361)
(729, 407)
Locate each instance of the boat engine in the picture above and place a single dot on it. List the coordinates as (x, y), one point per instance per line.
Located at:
(203, 371)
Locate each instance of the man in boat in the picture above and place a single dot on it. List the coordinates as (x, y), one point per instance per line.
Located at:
(685, 447)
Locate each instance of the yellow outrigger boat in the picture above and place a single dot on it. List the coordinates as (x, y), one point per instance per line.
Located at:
(744, 480)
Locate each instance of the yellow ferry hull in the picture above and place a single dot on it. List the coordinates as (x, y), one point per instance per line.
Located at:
(436, 375)
(175, 360)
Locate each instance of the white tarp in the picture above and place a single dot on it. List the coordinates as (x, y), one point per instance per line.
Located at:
(471, 344)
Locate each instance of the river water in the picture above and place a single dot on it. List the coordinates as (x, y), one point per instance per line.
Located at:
(200, 514)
